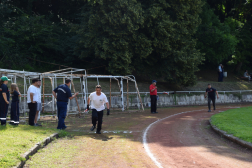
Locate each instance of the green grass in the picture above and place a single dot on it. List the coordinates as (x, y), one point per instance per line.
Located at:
(237, 122)
(16, 140)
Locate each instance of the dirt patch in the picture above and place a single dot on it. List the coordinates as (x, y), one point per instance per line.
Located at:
(113, 148)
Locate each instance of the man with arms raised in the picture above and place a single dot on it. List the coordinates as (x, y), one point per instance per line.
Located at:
(97, 99)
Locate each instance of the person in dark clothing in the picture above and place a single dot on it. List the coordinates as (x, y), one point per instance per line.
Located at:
(15, 104)
(211, 96)
(153, 96)
(4, 99)
(32, 99)
(62, 93)
(220, 72)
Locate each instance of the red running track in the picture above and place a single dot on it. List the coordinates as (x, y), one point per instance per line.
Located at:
(187, 140)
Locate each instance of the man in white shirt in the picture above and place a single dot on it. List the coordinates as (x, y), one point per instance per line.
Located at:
(32, 99)
(39, 105)
(97, 99)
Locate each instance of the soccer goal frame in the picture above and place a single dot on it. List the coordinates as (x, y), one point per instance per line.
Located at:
(72, 73)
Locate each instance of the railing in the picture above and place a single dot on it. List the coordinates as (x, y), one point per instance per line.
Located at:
(166, 98)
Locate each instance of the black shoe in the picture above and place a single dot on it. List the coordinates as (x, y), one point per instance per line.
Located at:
(156, 112)
(92, 129)
(98, 132)
(209, 110)
(153, 112)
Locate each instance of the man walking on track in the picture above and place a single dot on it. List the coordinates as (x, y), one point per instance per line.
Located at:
(153, 96)
(211, 96)
(63, 94)
(97, 99)
(32, 100)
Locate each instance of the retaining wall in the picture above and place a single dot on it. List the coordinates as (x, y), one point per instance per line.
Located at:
(164, 100)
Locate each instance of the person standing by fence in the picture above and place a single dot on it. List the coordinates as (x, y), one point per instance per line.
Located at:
(153, 96)
(15, 104)
(62, 93)
(220, 71)
(4, 99)
(32, 100)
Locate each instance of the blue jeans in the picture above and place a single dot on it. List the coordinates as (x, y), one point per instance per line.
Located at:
(62, 110)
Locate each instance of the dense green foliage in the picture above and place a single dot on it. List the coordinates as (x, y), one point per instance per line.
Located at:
(215, 39)
(238, 15)
(153, 38)
(236, 122)
(162, 39)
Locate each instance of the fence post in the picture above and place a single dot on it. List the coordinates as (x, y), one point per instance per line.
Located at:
(43, 107)
(175, 97)
(110, 94)
(24, 94)
(225, 97)
(122, 94)
(127, 93)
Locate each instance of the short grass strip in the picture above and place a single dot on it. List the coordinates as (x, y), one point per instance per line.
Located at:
(237, 122)
(16, 140)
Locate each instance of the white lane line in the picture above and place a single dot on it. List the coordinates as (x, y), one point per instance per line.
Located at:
(145, 143)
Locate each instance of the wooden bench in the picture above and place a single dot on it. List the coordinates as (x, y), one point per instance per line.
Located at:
(245, 78)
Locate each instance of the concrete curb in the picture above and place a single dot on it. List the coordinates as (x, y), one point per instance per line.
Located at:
(35, 148)
(231, 137)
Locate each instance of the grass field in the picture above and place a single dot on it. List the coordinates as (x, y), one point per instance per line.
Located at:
(16, 140)
(235, 121)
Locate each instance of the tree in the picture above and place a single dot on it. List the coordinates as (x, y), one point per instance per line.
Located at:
(243, 55)
(153, 38)
(216, 39)
(38, 30)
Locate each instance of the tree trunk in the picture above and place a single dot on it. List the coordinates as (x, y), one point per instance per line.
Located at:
(238, 67)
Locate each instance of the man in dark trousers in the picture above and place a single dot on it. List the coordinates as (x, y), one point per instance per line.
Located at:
(211, 96)
(63, 94)
(32, 100)
(153, 96)
(4, 99)
(220, 72)
(97, 99)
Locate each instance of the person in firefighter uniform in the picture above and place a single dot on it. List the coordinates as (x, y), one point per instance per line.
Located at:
(4, 99)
